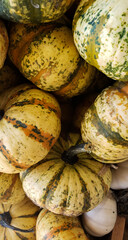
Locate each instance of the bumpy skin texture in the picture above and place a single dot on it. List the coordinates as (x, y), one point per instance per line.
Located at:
(63, 188)
(24, 215)
(100, 35)
(52, 226)
(4, 42)
(34, 11)
(46, 55)
(25, 135)
(105, 124)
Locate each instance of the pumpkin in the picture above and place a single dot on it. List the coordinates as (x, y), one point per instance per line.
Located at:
(11, 190)
(58, 227)
(105, 124)
(101, 220)
(100, 35)
(4, 42)
(18, 221)
(46, 55)
(33, 11)
(120, 176)
(25, 135)
(66, 183)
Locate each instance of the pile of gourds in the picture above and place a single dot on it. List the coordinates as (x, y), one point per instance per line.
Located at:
(63, 117)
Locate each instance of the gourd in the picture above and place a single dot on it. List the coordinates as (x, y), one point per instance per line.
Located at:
(66, 183)
(25, 136)
(46, 55)
(101, 220)
(33, 11)
(18, 221)
(120, 176)
(4, 42)
(100, 35)
(11, 190)
(104, 125)
(54, 226)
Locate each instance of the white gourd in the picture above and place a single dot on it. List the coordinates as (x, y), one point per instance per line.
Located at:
(120, 176)
(101, 220)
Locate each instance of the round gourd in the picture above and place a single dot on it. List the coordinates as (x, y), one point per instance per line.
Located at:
(30, 125)
(100, 35)
(101, 220)
(11, 190)
(31, 11)
(18, 221)
(4, 42)
(105, 124)
(67, 184)
(120, 176)
(46, 55)
(52, 226)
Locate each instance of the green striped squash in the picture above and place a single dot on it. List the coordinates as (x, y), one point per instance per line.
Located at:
(18, 221)
(100, 30)
(29, 126)
(4, 42)
(11, 190)
(33, 11)
(46, 55)
(51, 226)
(105, 124)
(66, 184)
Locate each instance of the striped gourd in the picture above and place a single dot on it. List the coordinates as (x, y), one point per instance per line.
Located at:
(67, 184)
(30, 125)
(105, 124)
(11, 190)
(18, 221)
(100, 34)
(51, 226)
(31, 11)
(4, 42)
(46, 55)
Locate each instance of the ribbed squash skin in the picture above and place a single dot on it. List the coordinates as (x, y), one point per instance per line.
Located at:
(24, 215)
(63, 188)
(100, 35)
(4, 42)
(46, 55)
(105, 124)
(11, 190)
(52, 226)
(29, 128)
(30, 11)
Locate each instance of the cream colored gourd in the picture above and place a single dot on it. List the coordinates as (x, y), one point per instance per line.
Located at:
(101, 220)
(120, 176)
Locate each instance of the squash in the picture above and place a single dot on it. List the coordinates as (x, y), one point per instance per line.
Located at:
(33, 11)
(4, 42)
(66, 183)
(25, 135)
(11, 190)
(105, 124)
(100, 35)
(46, 55)
(120, 176)
(101, 220)
(18, 221)
(58, 227)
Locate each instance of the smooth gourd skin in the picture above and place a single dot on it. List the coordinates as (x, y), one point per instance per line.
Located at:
(31, 11)
(53, 226)
(23, 215)
(46, 55)
(100, 35)
(63, 188)
(29, 127)
(105, 124)
(4, 42)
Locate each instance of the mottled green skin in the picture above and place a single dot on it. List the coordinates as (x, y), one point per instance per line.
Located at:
(33, 11)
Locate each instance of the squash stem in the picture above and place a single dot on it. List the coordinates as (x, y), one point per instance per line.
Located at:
(5, 220)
